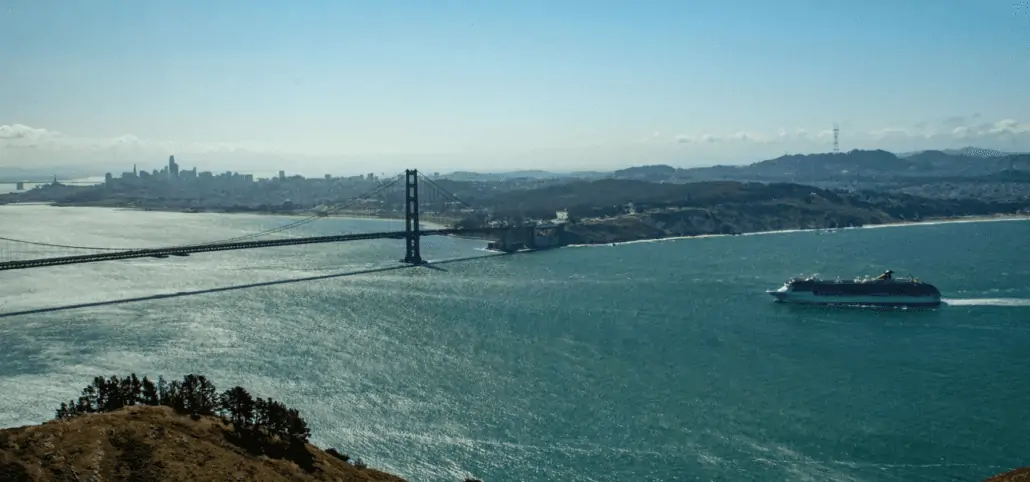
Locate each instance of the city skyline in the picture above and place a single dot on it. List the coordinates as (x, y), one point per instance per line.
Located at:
(328, 87)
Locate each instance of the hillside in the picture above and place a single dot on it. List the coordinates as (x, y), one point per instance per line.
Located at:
(613, 210)
(863, 165)
(968, 173)
(145, 443)
(608, 197)
(1018, 475)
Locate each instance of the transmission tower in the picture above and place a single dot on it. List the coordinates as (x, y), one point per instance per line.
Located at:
(836, 139)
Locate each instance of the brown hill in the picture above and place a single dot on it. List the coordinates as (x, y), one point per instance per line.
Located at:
(1018, 475)
(144, 443)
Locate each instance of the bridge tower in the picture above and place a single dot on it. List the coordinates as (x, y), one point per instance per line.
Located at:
(412, 253)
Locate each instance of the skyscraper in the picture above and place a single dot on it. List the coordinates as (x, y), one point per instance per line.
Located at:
(173, 168)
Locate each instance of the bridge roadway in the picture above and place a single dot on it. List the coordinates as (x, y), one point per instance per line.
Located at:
(50, 181)
(228, 246)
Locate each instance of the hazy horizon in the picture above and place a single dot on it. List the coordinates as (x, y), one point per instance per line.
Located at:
(326, 87)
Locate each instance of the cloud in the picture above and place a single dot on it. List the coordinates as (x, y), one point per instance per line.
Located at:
(24, 146)
(649, 138)
(956, 131)
(959, 120)
(20, 136)
(21, 132)
(889, 134)
(743, 137)
(748, 137)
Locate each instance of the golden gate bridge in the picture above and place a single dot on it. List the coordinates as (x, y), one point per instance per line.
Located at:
(521, 236)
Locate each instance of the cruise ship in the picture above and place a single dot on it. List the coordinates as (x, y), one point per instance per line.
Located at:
(883, 290)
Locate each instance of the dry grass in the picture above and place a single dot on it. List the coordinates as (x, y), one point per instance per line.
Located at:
(155, 444)
(1018, 475)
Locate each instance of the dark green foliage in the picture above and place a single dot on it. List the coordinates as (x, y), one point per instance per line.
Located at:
(105, 395)
(149, 395)
(238, 406)
(261, 426)
(197, 396)
(277, 419)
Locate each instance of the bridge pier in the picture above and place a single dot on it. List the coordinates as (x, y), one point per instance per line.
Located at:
(412, 233)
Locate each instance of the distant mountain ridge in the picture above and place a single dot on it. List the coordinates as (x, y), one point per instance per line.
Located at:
(968, 151)
(867, 165)
(469, 176)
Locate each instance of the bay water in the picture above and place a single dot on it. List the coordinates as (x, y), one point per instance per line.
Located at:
(643, 361)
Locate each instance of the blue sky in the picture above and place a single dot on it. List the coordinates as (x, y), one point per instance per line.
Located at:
(339, 85)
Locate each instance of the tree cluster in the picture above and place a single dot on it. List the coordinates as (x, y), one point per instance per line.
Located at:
(194, 395)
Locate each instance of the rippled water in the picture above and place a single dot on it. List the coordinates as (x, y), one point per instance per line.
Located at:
(647, 361)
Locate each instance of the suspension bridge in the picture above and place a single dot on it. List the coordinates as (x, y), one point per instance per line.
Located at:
(520, 236)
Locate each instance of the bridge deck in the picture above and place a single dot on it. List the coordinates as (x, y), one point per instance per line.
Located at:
(229, 246)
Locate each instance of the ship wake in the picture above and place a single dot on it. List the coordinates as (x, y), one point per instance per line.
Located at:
(1008, 302)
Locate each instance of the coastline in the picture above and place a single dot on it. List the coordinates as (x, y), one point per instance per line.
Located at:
(897, 224)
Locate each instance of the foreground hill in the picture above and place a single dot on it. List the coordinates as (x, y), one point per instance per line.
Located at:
(145, 443)
(1018, 475)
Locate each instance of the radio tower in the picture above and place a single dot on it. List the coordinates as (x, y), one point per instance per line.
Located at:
(836, 139)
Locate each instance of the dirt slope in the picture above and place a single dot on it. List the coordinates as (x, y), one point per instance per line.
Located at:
(1018, 475)
(154, 444)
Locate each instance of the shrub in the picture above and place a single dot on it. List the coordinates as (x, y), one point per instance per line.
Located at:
(194, 395)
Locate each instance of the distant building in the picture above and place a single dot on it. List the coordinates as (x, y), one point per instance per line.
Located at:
(108, 179)
(173, 168)
(282, 175)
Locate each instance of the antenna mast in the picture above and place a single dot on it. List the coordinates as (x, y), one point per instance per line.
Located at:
(836, 139)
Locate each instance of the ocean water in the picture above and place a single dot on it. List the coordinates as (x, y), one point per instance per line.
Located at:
(644, 361)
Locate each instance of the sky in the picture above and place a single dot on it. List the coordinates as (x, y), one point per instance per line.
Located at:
(355, 86)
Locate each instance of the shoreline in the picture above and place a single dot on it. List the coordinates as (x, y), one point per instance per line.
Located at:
(897, 224)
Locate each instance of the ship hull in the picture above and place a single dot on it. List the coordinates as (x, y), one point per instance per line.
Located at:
(809, 298)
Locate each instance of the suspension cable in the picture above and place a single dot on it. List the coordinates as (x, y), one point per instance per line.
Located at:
(284, 227)
(52, 245)
(300, 222)
(446, 192)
